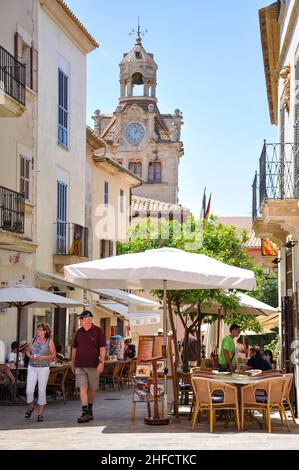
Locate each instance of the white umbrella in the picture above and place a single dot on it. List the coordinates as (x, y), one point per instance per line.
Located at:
(148, 269)
(163, 268)
(247, 306)
(21, 296)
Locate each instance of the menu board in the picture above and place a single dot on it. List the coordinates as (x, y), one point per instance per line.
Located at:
(158, 342)
(145, 348)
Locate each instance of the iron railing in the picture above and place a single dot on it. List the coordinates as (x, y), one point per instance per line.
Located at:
(71, 239)
(277, 175)
(12, 76)
(12, 210)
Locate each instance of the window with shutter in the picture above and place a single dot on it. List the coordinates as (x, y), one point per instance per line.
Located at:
(25, 176)
(106, 194)
(62, 109)
(61, 231)
(110, 248)
(296, 131)
(154, 172)
(121, 201)
(102, 249)
(136, 168)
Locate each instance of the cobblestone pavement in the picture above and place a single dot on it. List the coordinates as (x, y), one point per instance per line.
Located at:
(112, 429)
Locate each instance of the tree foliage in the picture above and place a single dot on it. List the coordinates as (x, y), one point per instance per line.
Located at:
(224, 243)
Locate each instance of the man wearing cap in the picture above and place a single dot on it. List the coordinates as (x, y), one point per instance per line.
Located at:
(88, 355)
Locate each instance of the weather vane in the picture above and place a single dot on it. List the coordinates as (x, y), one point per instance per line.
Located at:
(138, 32)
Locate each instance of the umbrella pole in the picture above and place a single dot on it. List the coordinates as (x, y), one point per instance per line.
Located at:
(165, 341)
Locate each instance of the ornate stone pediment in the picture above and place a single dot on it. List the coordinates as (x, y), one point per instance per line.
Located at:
(286, 76)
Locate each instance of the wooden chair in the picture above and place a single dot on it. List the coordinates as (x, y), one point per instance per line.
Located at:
(70, 385)
(287, 394)
(204, 390)
(56, 381)
(128, 372)
(271, 399)
(114, 376)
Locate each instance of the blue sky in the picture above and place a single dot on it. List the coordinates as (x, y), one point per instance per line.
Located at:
(210, 66)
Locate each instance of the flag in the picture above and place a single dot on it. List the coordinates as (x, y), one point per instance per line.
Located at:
(203, 205)
(207, 213)
(268, 248)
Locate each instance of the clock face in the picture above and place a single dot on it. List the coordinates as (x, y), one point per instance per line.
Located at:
(134, 133)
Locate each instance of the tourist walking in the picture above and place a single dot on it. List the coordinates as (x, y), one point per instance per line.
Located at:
(41, 352)
(88, 355)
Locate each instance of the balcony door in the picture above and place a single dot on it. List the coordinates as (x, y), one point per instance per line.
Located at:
(61, 219)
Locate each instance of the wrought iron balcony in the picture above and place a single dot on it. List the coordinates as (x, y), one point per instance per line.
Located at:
(278, 176)
(12, 76)
(71, 239)
(12, 210)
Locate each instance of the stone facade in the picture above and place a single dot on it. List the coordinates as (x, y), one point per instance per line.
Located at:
(137, 135)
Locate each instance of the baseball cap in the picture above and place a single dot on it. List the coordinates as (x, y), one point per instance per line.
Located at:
(85, 313)
(160, 330)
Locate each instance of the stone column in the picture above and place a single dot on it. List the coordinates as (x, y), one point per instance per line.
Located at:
(122, 89)
(153, 94)
(129, 88)
(145, 88)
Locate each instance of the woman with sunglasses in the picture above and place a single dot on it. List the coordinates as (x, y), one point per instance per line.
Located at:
(41, 352)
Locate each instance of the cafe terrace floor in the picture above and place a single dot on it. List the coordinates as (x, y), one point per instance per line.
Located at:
(112, 429)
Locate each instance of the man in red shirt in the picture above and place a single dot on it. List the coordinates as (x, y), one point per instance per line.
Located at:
(88, 355)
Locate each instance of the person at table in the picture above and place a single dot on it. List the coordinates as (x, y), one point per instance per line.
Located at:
(88, 355)
(227, 358)
(11, 358)
(5, 373)
(129, 350)
(269, 355)
(257, 360)
(60, 357)
(23, 350)
(41, 352)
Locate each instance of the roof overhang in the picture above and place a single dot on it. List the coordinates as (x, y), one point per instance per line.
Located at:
(59, 11)
(111, 165)
(270, 39)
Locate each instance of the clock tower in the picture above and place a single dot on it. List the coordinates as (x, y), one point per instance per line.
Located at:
(137, 135)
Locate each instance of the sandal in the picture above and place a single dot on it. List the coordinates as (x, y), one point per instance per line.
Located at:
(40, 418)
(29, 413)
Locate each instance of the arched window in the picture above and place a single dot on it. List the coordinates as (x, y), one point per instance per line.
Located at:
(136, 167)
(154, 172)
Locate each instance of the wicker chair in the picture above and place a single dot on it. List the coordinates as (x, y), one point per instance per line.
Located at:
(287, 394)
(204, 390)
(271, 399)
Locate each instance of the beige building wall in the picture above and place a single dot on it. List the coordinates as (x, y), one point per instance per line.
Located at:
(18, 136)
(57, 50)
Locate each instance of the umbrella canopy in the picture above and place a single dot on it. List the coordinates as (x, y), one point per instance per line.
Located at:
(272, 321)
(21, 296)
(148, 269)
(25, 296)
(247, 306)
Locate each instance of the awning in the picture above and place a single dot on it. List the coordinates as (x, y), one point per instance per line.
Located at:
(135, 318)
(114, 294)
(128, 298)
